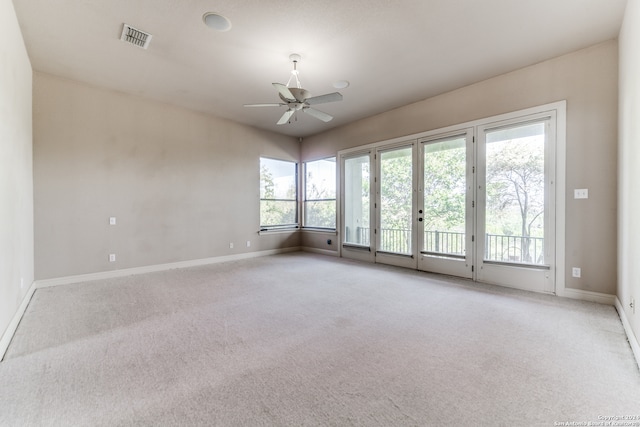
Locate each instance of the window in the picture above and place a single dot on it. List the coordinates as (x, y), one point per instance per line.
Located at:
(320, 194)
(357, 200)
(278, 194)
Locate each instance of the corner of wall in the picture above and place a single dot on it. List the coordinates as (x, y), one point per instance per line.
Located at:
(628, 292)
(16, 171)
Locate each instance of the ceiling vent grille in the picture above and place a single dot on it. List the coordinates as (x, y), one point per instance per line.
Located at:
(135, 37)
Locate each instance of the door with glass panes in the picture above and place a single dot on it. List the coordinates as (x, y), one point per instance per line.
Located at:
(445, 204)
(378, 205)
(395, 205)
(476, 202)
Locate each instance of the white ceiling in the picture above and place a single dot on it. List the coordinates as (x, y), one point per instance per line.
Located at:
(393, 52)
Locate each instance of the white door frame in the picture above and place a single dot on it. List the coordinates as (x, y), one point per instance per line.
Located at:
(559, 108)
(440, 263)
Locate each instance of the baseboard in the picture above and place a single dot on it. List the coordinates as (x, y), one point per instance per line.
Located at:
(320, 251)
(631, 337)
(157, 268)
(587, 296)
(15, 321)
(13, 325)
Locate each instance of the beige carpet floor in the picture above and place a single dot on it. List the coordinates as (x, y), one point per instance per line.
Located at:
(303, 340)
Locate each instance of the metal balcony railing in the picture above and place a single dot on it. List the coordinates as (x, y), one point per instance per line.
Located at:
(497, 247)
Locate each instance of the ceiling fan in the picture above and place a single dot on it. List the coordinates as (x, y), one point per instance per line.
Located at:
(297, 98)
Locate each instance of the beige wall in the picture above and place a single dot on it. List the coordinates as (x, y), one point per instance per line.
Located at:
(182, 185)
(588, 80)
(16, 183)
(629, 176)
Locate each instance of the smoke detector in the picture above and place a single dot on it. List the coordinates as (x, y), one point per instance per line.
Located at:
(135, 36)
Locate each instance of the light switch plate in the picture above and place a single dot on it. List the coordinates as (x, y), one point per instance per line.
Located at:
(112, 220)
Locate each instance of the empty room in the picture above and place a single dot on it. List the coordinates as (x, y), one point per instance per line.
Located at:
(418, 212)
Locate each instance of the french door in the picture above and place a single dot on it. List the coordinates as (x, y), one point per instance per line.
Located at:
(395, 205)
(378, 205)
(476, 202)
(445, 204)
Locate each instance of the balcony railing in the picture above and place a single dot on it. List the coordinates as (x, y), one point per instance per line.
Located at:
(497, 247)
(518, 249)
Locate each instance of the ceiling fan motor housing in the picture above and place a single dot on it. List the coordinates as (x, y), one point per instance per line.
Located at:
(300, 94)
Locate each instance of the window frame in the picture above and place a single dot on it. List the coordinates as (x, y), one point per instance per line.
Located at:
(306, 198)
(275, 227)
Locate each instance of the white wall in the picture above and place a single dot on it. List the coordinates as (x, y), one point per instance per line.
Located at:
(588, 80)
(16, 182)
(629, 169)
(181, 184)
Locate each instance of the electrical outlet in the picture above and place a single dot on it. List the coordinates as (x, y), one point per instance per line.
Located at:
(230, 245)
(112, 257)
(248, 243)
(21, 282)
(581, 193)
(576, 272)
(632, 304)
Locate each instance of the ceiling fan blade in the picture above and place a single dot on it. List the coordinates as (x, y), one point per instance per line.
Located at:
(318, 114)
(284, 92)
(329, 97)
(263, 105)
(286, 116)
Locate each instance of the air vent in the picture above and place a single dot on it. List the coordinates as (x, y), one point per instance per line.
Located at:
(135, 37)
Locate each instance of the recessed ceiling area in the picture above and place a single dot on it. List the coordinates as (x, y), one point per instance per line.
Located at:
(385, 54)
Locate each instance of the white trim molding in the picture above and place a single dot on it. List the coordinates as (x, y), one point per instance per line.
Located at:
(15, 321)
(158, 267)
(59, 281)
(579, 294)
(633, 342)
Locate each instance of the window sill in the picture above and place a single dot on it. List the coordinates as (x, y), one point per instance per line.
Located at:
(331, 231)
(280, 230)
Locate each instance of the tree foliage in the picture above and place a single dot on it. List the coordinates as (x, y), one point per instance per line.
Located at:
(278, 206)
(515, 190)
(320, 193)
(445, 189)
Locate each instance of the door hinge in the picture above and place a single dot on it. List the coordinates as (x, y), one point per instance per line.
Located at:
(375, 231)
(473, 203)
(472, 268)
(473, 169)
(473, 139)
(473, 238)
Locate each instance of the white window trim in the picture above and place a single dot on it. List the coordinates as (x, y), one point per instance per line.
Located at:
(560, 108)
(303, 186)
(262, 229)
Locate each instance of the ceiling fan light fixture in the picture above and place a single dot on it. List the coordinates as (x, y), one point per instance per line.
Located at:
(299, 99)
(341, 84)
(216, 21)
